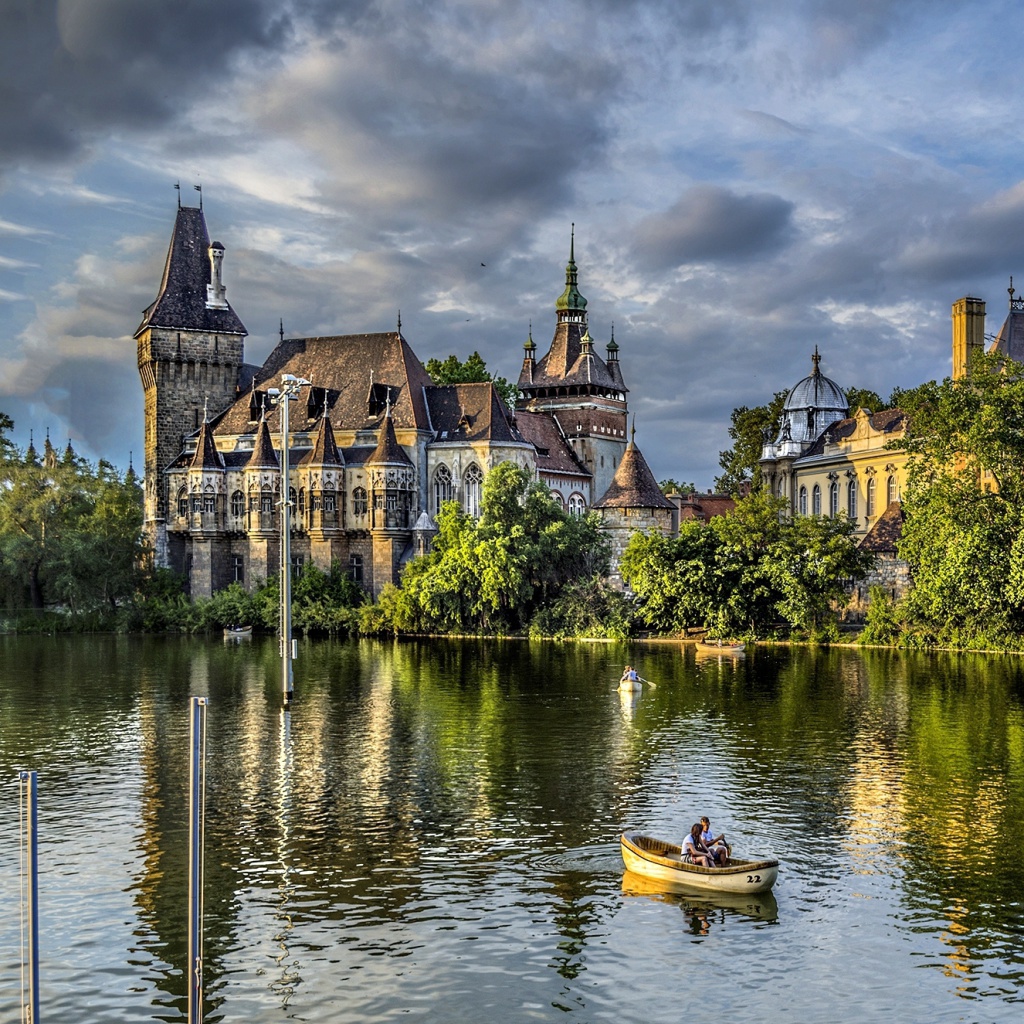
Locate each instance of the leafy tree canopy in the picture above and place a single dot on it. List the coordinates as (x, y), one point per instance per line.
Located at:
(675, 487)
(473, 371)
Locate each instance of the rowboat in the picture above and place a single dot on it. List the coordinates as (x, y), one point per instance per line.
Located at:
(630, 685)
(720, 647)
(237, 632)
(655, 858)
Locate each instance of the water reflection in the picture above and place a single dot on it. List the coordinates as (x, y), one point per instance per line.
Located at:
(435, 824)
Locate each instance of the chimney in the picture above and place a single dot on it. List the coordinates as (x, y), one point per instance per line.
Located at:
(968, 333)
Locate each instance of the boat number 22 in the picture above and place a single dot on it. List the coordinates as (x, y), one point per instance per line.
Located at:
(753, 878)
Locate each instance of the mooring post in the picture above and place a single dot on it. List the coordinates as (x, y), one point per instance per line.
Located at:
(196, 840)
(30, 839)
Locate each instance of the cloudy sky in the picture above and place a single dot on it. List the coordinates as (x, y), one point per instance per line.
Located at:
(747, 180)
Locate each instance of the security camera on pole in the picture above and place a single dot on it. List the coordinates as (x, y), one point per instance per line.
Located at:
(288, 392)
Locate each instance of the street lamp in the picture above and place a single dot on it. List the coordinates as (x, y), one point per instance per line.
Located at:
(283, 396)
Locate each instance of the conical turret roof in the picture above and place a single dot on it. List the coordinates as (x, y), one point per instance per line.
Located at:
(206, 455)
(633, 485)
(325, 447)
(388, 450)
(263, 454)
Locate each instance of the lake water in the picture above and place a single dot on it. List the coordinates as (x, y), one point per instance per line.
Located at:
(431, 832)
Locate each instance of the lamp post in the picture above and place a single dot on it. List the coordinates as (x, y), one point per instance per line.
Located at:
(283, 396)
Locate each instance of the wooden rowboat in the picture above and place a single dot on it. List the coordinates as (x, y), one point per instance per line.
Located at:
(237, 632)
(655, 858)
(716, 647)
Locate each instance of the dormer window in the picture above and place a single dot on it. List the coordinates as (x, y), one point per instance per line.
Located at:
(316, 402)
(379, 398)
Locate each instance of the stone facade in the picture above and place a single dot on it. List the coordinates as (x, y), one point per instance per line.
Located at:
(374, 446)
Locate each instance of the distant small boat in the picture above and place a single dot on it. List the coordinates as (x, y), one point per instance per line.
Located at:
(630, 685)
(237, 632)
(655, 858)
(720, 647)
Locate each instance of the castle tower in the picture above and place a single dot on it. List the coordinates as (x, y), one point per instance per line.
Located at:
(968, 333)
(190, 346)
(324, 473)
(572, 383)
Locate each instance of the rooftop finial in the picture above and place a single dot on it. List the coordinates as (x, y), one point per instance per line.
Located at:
(399, 321)
(199, 189)
(816, 359)
(177, 186)
(632, 432)
(1011, 289)
(280, 330)
(572, 242)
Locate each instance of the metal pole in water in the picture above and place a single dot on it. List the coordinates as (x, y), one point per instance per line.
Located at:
(30, 838)
(288, 392)
(196, 840)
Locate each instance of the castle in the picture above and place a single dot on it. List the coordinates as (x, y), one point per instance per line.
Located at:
(374, 446)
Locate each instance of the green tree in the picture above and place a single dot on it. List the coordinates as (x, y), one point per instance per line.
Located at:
(473, 371)
(963, 531)
(494, 573)
(859, 398)
(671, 486)
(749, 428)
(743, 572)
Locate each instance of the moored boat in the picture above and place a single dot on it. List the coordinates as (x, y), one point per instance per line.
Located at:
(656, 858)
(720, 647)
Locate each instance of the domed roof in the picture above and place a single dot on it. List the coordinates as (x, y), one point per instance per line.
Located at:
(817, 392)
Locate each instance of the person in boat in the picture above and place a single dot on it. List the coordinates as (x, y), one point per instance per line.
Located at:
(629, 675)
(694, 850)
(716, 844)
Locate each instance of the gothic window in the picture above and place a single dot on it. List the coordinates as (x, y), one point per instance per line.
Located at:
(472, 487)
(833, 499)
(329, 501)
(851, 499)
(318, 501)
(266, 500)
(443, 488)
(182, 502)
(359, 501)
(237, 569)
(254, 501)
(297, 563)
(197, 502)
(302, 501)
(803, 501)
(209, 502)
(816, 501)
(577, 506)
(355, 568)
(891, 492)
(237, 503)
(870, 509)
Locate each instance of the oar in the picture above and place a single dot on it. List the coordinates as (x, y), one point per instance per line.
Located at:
(647, 681)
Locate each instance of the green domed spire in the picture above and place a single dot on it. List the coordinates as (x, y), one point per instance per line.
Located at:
(571, 298)
(530, 345)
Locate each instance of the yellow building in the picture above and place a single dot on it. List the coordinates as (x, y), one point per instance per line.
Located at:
(825, 462)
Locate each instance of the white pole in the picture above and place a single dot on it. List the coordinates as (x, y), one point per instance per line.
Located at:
(286, 554)
(196, 842)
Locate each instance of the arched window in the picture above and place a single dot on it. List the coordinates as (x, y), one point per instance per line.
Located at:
(237, 503)
(870, 504)
(329, 501)
(816, 501)
(833, 499)
(209, 500)
(183, 502)
(197, 502)
(803, 501)
(472, 487)
(577, 506)
(851, 499)
(266, 500)
(359, 501)
(891, 491)
(444, 490)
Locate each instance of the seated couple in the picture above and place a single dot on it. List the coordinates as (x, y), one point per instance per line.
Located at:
(705, 849)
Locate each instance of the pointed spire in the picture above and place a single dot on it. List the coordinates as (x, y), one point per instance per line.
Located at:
(633, 485)
(530, 345)
(816, 360)
(31, 455)
(263, 454)
(613, 346)
(388, 450)
(130, 476)
(206, 455)
(571, 299)
(69, 453)
(280, 330)
(325, 447)
(49, 455)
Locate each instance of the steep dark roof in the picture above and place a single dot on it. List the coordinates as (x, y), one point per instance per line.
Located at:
(470, 412)
(388, 450)
(633, 485)
(263, 454)
(360, 374)
(206, 455)
(1010, 339)
(554, 453)
(887, 530)
(181, 302)
(888, 421)
(325, 448)
(571, 361)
